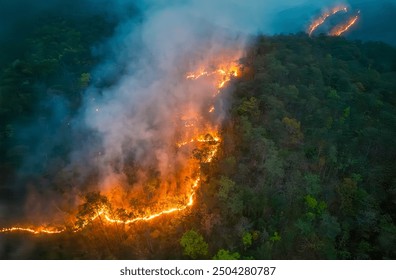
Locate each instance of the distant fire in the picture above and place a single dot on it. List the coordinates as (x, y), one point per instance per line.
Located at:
(320, 20)
(337, 30)
(205, 135)
(344, 27)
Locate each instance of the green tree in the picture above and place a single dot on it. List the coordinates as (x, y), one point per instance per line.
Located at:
(227, 188)
(247, 239)
(293, 128)
(194, 244)
(226, 255)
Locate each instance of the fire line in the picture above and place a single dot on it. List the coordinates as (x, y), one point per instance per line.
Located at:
(342, 28)
(319, 21)
(224, 75)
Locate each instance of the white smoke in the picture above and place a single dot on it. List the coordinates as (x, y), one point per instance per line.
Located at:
(138, 116)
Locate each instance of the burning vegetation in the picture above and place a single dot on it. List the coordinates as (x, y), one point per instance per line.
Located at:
(197, 142)
(320, 20)
(344, 27)
(340, 28)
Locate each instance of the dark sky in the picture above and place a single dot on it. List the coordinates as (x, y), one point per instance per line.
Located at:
(378, 21)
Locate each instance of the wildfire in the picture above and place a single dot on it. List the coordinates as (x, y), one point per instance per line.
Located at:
(32, 230)
(210, 140)
(105, 213)
(319, 21)
(153, 216)
(344, 27)
(202, 139)
(224, 74)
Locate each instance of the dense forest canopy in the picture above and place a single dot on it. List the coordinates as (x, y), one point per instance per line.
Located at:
(305, 169)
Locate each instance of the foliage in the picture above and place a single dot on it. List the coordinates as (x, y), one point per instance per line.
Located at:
(194, 244)
(312, 129)
(226, 255)
(247, 239)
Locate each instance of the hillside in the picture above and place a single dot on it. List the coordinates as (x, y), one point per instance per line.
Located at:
(305, 168)
(308, 162)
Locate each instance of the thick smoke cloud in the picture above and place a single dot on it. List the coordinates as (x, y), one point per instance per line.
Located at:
(139, 116)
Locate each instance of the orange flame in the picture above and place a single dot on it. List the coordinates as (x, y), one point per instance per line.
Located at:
(342, 28)
(104, 212)
(201, 139)
(224, 73)
(32, 230)
(319, 21)
(153, 216)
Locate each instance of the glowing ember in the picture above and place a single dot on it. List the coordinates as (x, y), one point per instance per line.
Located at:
(197, 75)
(207, 138)
(32, 230)
(105, 213)
(210, 140)
(319, 21)
(224, 74)
(342, 28)
(153, 216)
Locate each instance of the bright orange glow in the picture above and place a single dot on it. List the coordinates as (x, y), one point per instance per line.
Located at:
(344, 27)
(200, 135)
(33, 230)
(153, 216)
(320, 20)
(224, 74)
(202, 138)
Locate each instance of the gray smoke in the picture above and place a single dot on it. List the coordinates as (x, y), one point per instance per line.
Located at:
(139, 115)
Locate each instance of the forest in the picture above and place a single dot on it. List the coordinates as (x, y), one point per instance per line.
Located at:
(305, 169)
